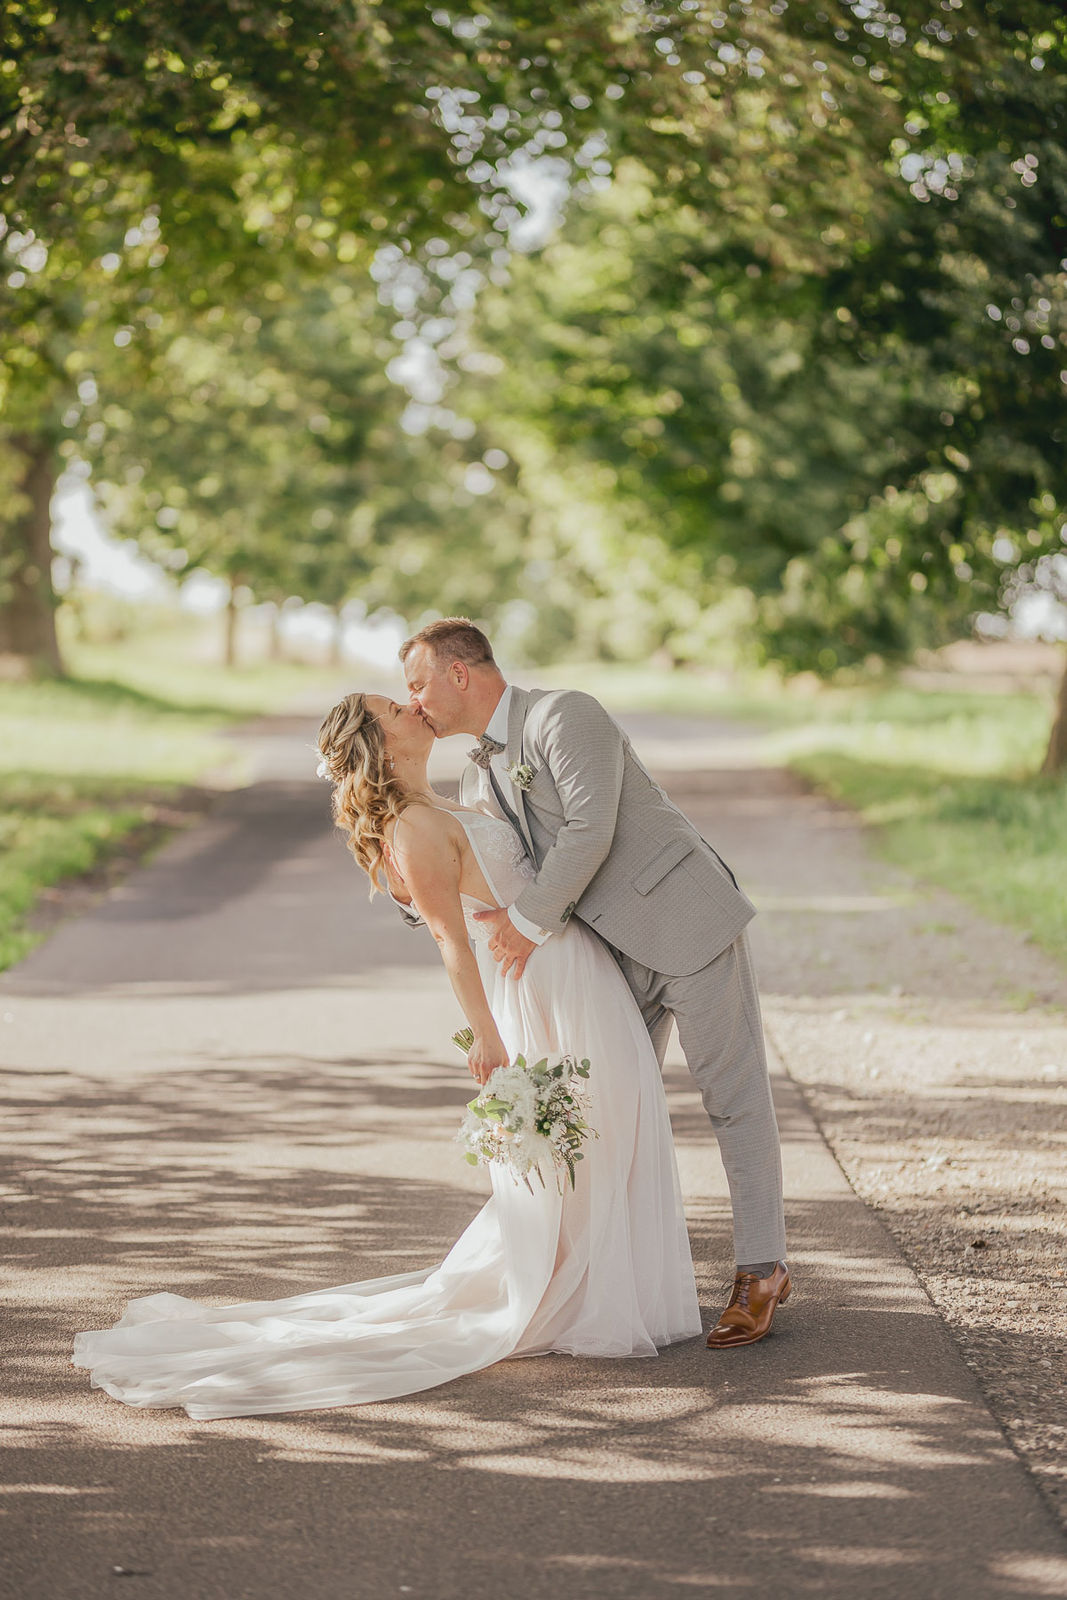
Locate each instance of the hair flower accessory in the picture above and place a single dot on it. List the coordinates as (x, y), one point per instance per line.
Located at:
(520, 775)
(322, 770)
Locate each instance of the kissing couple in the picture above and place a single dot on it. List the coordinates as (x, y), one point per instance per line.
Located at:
(577, 912)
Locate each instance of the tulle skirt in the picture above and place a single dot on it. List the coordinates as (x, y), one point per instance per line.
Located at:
(601, 1270)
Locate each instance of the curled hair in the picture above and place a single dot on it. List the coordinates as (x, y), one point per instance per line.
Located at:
(366, 796)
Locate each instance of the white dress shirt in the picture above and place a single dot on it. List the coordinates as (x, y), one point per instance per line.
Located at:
(498, 730)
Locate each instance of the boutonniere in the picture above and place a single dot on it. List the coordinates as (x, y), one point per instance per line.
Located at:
(520, 775)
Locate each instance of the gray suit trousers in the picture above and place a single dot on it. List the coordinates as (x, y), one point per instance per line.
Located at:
(721, 1034)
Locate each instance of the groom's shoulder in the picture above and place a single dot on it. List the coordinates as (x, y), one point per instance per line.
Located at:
(569, 717)
(547, 705)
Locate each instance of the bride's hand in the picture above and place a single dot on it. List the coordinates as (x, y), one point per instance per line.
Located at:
(485, 1055)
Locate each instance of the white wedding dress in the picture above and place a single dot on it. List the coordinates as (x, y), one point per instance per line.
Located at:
(603, 1270)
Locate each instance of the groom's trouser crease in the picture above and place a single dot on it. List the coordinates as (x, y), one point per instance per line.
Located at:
(721, 1034)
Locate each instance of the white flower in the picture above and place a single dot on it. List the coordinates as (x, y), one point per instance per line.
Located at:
(322, 770)
(502, 1123)
(521, 775)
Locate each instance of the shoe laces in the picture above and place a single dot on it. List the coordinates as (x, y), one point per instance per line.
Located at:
(743, 1288)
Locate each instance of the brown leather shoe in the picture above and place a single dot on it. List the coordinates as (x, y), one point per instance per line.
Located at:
(749, 1315)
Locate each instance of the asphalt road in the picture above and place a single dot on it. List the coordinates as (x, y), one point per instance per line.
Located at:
(233, 1079)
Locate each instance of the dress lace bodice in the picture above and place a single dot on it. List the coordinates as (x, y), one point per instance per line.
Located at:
(503, 860)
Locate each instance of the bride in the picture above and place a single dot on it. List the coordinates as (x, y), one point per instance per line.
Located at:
(603, 1270)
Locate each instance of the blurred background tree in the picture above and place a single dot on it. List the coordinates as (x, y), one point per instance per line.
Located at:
(828, 359)
(791, 365)
(158, 157)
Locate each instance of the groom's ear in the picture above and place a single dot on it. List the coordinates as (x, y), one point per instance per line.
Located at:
(459, 672)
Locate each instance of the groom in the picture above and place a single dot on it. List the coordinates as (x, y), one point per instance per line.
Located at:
(613, 850)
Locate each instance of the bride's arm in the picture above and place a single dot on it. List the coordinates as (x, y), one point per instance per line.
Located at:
(426, 850)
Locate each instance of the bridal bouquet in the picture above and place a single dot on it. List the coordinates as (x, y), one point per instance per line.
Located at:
(526, 1115)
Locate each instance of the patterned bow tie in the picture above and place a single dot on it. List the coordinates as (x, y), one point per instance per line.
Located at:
(484, 751)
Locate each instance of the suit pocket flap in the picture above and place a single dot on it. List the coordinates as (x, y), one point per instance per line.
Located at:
(661, 864)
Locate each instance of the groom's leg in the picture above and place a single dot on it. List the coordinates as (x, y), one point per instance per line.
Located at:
(646, 987)
(721, 1033)
(659, 1023)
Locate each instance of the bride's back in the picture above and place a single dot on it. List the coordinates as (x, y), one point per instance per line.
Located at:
(494, 866)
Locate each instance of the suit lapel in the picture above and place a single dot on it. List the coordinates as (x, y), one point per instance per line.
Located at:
(520, 704)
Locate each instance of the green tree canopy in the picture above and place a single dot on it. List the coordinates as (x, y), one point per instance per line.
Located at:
(859, 420)
(154, 158)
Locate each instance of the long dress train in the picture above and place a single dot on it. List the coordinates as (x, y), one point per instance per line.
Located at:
(603, 1270)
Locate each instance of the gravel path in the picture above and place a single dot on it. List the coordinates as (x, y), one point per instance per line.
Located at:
(931, 1046)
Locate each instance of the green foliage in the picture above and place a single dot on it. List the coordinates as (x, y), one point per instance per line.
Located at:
(158, 159)
(999, 842)
(258, 443)
(86, 762)
(828, 362)
(945, 779)
(155, 163)
(169, 667)
(806, 348)
(82, 766)
(47, 834)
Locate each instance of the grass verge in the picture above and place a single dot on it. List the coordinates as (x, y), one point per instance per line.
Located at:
(100, 765)
(949, 782)
(999, 841)
(947, 778)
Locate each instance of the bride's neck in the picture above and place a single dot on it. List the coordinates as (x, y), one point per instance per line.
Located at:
(415, 781)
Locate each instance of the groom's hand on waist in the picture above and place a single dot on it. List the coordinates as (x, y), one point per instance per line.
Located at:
(507, 945)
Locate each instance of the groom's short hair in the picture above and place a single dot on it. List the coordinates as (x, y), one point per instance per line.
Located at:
(452, 639)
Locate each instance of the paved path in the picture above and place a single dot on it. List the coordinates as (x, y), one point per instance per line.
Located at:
(233, 1079)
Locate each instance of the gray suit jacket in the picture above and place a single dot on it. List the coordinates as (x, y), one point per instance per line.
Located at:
(608, 844)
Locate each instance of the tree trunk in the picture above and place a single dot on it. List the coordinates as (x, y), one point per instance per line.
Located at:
(1056, 755)
(230, 647)
(275, 652)
(27, 599)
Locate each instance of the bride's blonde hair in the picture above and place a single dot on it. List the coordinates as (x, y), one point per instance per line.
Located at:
(366, 796)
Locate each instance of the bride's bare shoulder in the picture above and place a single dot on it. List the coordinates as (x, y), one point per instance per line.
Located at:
(424, 821)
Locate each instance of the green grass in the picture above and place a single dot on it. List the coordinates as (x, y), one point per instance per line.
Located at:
(49, 832)
(998, 839)
(81, 765)
(947, 778)
(86, 761)
(949, 781)
(684, 693)
(174, 659)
